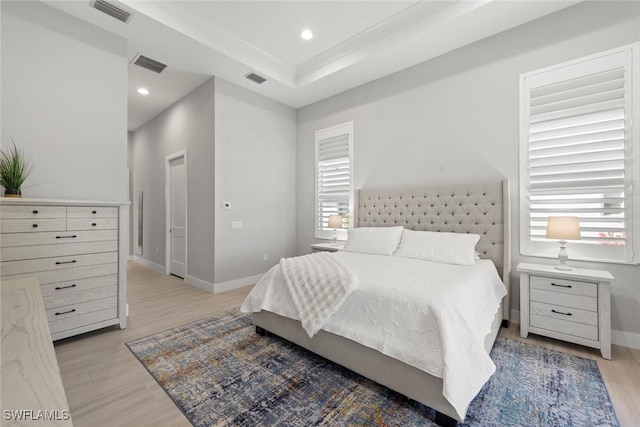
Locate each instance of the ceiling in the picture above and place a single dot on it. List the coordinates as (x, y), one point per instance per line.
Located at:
(354, 42)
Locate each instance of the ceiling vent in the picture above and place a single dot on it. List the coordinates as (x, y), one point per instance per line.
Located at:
(255, 78)
(111, 9)
(148, 63)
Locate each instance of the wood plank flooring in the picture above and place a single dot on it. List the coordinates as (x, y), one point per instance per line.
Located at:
(107, 386)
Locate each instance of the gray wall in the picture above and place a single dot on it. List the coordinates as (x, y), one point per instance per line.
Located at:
(64, 101)
(455, 119)
(188, 124)
(255, 171)
(241, 149)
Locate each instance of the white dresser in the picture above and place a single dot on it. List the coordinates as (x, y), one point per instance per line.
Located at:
(77, 252)
(572, 305)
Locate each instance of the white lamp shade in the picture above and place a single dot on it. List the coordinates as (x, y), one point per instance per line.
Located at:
(335, 221)
(563, 228)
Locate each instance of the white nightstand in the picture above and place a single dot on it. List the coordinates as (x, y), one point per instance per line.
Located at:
(573, 305)
(328, 247)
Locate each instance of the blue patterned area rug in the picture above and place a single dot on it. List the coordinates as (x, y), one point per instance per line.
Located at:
(219, 372)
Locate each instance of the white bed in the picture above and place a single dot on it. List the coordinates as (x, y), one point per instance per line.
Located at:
(387, 329)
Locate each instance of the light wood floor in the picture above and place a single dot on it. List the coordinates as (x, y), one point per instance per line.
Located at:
(107, 386)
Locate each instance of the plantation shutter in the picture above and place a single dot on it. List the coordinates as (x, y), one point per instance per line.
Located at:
(334, 175)
(578, 139)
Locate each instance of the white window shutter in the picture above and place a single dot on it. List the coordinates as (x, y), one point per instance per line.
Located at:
(578, 154)
(334, 177)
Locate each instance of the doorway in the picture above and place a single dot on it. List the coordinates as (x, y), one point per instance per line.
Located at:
(176, 214)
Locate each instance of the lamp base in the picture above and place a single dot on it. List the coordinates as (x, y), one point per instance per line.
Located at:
(562, 256)
(563, 267)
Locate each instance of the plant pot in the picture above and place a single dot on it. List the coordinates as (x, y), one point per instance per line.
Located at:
(12, 192)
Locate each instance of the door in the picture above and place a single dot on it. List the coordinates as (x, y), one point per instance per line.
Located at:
(178, 216)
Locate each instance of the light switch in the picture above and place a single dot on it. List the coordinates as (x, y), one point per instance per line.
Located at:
(237, 224)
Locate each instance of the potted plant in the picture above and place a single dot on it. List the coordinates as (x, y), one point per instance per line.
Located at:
(14, 170)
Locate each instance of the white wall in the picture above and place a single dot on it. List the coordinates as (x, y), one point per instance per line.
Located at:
(455, 119)
(241, 149)
(255, 171)
(188, 124)
(64, 102)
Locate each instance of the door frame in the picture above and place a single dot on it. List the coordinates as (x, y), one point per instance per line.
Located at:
(167, 198)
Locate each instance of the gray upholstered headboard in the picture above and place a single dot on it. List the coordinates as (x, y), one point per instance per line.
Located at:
(481, 208)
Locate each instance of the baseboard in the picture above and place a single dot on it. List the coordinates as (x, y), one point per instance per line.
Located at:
(625, 339)
(621, 338)
(200, 284)
(152, 265)
(235, 284)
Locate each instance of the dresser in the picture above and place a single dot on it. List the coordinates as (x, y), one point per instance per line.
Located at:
(572, 305)
(77, 251)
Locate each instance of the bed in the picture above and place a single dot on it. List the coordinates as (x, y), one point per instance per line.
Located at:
(481, 209)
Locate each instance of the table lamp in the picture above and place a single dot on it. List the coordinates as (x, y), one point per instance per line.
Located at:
(563, 228)
(335, 222)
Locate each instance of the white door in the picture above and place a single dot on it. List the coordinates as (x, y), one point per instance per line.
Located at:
(178, 212)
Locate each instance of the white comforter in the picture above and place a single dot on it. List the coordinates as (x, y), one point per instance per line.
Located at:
(429, 315)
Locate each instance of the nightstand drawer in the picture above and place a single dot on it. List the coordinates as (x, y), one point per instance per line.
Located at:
(579, 330)
(564, 313)
(571, 287)
(565, 299)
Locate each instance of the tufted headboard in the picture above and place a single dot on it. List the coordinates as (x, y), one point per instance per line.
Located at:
(481, 208)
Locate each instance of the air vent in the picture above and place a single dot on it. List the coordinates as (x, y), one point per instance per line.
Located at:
(148, 63)
(255, 78)
(111, 10)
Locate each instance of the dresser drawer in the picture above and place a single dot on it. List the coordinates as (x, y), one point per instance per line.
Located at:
(74, 310)
(56, 250)
(76, 297)
(57, 263)
(92, 224)
(50, 238)
(32, 212)
(61, 288)
(32, 225)
(570, 287)
(92, 212)
(67, 274)
(82, 314)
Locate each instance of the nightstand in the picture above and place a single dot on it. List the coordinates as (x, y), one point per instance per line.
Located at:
(327, 247)
(572, 305)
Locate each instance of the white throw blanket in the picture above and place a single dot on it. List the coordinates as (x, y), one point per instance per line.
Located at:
(318, 285)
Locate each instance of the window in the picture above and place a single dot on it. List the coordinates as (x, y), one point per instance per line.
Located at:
(579, 155)
(334, 178)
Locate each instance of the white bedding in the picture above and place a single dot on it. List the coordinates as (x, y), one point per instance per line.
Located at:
(429, 315)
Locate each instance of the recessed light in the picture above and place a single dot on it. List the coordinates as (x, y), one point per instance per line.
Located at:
(306, 35)
(143, 91)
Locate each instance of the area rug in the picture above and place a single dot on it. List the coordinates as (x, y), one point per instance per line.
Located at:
(219, 372)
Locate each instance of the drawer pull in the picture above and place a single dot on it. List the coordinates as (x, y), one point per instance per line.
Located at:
(65, 262)
(65, 312)
(65, 287)
(35, 212)
(66, 237)
(35, 225)
(93, 224)
(94, 212)
(560, 312)
(561, 286)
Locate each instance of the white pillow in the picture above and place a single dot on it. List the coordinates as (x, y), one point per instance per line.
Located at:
(449, 248)
(374, 240)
